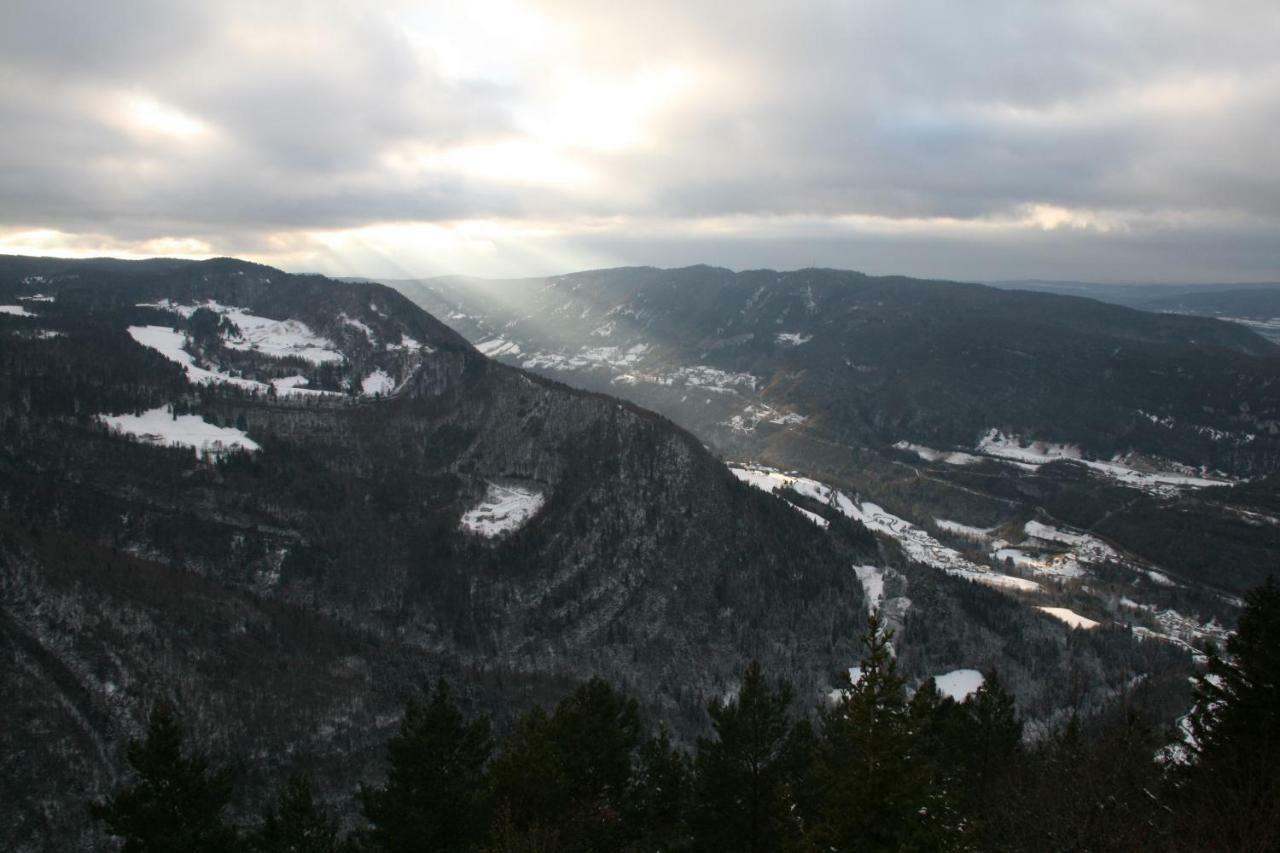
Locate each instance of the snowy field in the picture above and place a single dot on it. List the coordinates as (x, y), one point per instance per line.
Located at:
(169, 343)
(160, 426)
(1151, 476)
(377, 382)
(503, 509)
(274, 338)
(1121, 469)
(959, 684)
(915, 542)
(1070, 617)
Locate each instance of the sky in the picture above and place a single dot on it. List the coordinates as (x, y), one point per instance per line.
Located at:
(1133, 140)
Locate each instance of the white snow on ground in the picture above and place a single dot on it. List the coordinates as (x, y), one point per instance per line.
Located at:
(494, 347)
(274, 338)
(979, 534)
(357, 324)
(1075, 620)
(288, 384)
(959, 684)
(928, 454)
(754, 414)
(713, 379)
(814, 517)
(16, 311)
(923, 548)
(1064, 555)
(917, 544)
(169, 343)
(503, 509)
(1123, 469)
(1056, 566)
(159, 426)
(996, 443)
(1174, 625)
(36, 297)
(407, 344)
(378, 382)
(793, 339)
(617, 358)
(872, 579)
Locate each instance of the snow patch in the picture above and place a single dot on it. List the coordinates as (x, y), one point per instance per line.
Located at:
(273, 338)
(915, 542)
(1125, 469)
(503, 509)
(358, 325)
(872, 579)
(16, 311)
(978, 534)
(929, 454)
(169, 343)
(793, 339)
(494, 347)
(160, 426)
(1075, 620)
(959, 684)
(378, 382)
(408, 344)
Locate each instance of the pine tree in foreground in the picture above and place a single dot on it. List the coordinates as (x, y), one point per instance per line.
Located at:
(747, 775)
(872, 769)
(177, 803)
(436, 797)
(296, 823)
(1227, 797)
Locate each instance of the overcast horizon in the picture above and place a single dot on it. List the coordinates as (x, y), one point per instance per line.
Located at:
(1109, 142)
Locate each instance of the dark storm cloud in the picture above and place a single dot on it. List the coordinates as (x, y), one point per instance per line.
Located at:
(977, 140)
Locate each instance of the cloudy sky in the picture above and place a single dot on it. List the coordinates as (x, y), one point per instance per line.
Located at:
(1102, 141)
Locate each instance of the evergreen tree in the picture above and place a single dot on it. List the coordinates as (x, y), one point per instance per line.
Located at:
(872, 768)
(296, 823)
(177, 804)
(1228, 794)
(748, 774)
(659, 801)
(595, 731)
(436, 797)
(568, 776)
(987, 752)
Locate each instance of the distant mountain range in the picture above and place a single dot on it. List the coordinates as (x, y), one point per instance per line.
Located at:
(1255, 305)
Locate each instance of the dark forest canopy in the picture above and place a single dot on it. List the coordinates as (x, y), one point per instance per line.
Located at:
(877, 770)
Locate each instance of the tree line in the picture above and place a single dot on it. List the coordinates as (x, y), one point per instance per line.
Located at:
(878, 770)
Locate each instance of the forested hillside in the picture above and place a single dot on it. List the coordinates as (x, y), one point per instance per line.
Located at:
(285, 502)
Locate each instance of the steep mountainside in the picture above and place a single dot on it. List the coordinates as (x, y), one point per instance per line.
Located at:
(286, 501)
(1059, 440)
